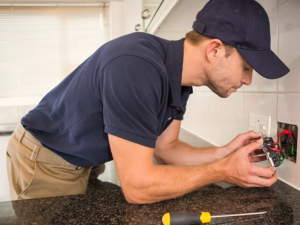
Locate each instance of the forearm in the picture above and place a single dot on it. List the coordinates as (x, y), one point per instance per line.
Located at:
(169, 181)
(143, 182)
(181, 153)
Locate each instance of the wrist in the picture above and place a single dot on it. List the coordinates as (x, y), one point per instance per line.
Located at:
(219, 170)
(222, 152)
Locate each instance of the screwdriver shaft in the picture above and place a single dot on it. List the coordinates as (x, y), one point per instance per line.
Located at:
(242, 214)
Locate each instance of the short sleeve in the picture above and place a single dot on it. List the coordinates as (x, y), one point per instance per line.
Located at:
(131, 93)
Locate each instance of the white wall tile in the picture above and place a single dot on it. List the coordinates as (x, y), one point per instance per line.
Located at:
(201, 89)
(289, 44)
(207, 89)
(232, 117)
(260, 103)
(203, 118)
(288, 108)
(282, 1)
(267, 4)
(259, 83)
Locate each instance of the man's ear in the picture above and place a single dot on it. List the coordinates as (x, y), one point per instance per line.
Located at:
(214, 48)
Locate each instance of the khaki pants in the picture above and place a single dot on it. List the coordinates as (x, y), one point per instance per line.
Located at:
(34, 171)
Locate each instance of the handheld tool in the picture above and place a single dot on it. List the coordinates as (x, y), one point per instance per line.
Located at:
(185, 218)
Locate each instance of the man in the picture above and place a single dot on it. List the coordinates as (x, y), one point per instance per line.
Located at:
(126, 101)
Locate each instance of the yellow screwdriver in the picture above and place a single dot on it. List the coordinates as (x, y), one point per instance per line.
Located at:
(185, 218)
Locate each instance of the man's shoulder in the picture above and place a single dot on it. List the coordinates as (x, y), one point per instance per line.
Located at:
(137, 38)
(142, 45)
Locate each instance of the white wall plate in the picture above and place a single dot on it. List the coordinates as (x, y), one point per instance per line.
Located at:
(260, 123)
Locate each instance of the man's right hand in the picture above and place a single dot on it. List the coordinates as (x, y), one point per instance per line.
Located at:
(238, 168)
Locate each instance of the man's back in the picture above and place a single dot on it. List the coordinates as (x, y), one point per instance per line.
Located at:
(70, 117)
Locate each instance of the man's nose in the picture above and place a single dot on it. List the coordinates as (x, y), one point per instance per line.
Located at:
(247, 77)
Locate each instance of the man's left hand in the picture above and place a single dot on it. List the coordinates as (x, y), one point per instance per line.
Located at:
(242, 140)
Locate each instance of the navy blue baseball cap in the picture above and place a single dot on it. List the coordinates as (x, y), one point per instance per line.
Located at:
(243, 24)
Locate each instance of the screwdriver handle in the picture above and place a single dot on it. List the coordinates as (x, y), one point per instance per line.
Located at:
(184, 218)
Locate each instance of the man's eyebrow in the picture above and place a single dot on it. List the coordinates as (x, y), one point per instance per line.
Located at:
(246, 64)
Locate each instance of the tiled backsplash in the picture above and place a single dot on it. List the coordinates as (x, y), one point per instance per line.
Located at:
(219, 120)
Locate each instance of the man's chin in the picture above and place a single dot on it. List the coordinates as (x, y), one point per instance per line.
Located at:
(223, 95)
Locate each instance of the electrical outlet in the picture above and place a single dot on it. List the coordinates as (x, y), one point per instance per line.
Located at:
(287, 140)
(260, 123)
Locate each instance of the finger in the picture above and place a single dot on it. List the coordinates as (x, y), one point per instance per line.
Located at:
(262, 181)
(262, 171)
(258, 158)
(254, 136)
(258, 152)
(251, 135)
(252, 185)
(253, 146)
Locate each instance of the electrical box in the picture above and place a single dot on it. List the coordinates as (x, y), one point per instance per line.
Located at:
(287, 138)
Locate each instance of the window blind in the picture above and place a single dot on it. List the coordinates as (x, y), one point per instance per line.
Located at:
(40, 45)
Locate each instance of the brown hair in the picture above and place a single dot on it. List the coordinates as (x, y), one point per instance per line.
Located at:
(196, 38)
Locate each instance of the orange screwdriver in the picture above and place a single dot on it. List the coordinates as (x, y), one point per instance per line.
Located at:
(185, 218)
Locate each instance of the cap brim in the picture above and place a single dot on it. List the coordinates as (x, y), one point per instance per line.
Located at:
(265, 62)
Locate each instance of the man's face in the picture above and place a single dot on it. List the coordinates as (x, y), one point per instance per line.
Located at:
(229, 74)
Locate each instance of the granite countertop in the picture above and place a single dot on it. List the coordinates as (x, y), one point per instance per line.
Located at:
(104, 203)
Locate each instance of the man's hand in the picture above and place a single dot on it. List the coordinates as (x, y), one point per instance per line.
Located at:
(239, 169)
(242, 140)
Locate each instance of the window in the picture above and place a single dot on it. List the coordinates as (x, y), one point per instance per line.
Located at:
(40, 45)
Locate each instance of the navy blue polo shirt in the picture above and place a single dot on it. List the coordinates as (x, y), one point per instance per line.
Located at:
(130, 87)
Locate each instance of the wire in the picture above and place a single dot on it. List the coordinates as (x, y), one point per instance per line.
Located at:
(278, 149)
(275, 149)
(291, 134)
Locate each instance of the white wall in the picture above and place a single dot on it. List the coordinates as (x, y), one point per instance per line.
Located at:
(220, 120)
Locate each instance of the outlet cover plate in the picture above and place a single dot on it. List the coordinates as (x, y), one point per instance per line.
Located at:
(260, 123)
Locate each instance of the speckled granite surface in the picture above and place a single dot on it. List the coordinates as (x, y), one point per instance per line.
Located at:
(104, 204)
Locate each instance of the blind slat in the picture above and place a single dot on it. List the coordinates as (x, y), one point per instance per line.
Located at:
(39, 46)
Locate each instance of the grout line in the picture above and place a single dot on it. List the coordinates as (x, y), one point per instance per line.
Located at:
(288, 93)
(277, 106)
(294, 93)
(255, 92)
(244, 126)
(280, 3)
(259, 92)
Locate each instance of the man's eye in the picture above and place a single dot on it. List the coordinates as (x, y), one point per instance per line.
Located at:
(245, 68)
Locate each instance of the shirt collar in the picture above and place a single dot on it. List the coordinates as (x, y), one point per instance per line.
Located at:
(173, 64)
